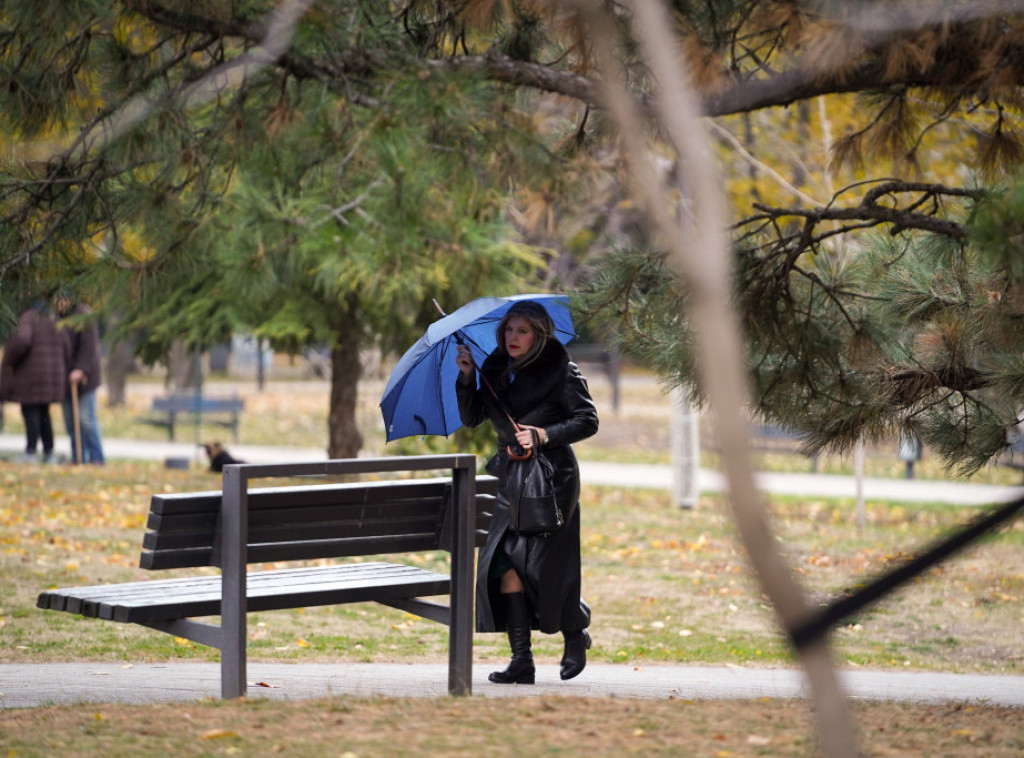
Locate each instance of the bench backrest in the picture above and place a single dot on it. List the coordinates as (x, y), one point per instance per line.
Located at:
(185, 403)
(309, 522)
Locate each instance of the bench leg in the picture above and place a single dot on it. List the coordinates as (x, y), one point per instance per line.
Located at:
(232, 672)
(460, 631)
(233, 605)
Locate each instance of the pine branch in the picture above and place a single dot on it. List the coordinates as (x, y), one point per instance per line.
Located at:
(870, 212)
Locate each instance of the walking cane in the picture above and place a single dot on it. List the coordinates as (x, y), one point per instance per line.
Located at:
(78, 422)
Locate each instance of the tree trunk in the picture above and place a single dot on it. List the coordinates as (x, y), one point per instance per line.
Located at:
(119, 364)
(344, 439)
(685, 451)
(120, 361)
(181, 369)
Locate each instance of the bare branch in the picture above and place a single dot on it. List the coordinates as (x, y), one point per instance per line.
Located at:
(871, 212)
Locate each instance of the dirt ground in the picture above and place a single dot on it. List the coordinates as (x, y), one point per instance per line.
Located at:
(359, 728)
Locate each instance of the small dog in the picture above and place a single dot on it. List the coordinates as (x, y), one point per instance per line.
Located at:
(219, 456)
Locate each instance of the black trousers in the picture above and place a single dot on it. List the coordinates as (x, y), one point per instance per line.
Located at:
(37, 426)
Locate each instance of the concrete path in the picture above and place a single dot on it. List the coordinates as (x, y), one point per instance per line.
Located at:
(26, 685)
(604, 473)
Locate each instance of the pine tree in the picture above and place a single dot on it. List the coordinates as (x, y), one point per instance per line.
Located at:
(299, 212)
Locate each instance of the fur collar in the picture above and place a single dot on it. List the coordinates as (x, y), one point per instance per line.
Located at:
(533, 384)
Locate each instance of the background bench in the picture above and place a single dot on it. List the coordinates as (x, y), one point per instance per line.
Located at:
(238, 525)
(224, 410)
(605, 358)
(770, 438)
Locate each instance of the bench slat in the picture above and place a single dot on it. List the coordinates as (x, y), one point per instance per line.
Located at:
(204, 404)
(346, 519)
(391, 510)
(73, 598)
(274, 590)
(314, 494)
(267, 590)
(296, 551)
(296, 533)
(197, 538)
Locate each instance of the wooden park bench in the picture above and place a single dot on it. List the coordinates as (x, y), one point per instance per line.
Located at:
(239, 525)
(225, 411)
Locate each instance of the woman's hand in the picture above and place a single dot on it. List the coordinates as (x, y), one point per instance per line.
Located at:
(465, 361)
(525, 439)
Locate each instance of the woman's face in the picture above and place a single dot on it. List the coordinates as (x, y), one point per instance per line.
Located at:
(519, 336)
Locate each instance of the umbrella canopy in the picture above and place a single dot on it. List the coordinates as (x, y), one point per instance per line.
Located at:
(420, 394)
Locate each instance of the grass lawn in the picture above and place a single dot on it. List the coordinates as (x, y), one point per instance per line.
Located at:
(668, 586)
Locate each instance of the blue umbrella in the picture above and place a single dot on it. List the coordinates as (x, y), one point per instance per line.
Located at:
(420, 394)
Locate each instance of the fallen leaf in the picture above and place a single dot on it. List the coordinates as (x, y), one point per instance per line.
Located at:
(218, 734)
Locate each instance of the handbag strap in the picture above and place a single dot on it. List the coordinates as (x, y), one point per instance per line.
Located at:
(497, 400)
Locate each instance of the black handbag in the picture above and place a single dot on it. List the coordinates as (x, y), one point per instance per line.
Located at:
(531, 493)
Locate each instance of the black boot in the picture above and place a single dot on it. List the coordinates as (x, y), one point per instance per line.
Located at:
(575, 658)
(520, 669)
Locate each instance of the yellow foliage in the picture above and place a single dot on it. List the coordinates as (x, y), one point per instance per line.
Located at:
(135, 246)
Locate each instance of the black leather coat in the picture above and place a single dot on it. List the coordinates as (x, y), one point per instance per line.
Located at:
(552, 394)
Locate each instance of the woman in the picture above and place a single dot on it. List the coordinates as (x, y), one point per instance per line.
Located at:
(526, 582)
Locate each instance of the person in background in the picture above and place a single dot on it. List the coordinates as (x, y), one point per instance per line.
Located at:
(33, 373)
(82, 359)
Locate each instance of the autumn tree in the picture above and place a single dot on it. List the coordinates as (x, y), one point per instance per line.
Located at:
(307, 214)
(876, 268)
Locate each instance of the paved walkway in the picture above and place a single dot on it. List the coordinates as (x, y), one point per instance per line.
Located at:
(26, 685)
(609, 474)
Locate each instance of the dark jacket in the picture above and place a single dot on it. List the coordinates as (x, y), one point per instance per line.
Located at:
(82, 351)
(33, 369)
(552, 394)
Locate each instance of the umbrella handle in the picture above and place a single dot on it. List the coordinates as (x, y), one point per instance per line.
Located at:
(527, 453)
(515, 425)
